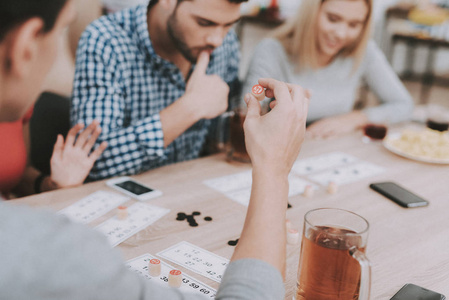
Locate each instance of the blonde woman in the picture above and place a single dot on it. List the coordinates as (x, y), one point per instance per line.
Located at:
(326, 48)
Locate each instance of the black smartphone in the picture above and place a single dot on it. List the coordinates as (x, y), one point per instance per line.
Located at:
(414, 292)
(398, 194)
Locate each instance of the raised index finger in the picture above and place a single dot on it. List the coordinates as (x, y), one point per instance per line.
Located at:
(201, 64)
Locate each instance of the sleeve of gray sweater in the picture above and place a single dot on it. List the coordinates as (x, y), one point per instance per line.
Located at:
(44, 256)
(396, 102)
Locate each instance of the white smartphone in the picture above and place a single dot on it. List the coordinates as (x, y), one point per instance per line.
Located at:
(133, 188)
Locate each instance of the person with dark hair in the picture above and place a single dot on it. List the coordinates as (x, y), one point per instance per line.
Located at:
(155, 77)
(44, 256)
(24, 25)
(14, 13)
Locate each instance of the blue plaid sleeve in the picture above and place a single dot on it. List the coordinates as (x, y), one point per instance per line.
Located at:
(99, 94)
(232, 48)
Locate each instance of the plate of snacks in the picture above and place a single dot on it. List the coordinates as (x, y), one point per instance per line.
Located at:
(423, 145)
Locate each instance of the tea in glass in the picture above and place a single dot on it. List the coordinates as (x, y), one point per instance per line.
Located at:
(332, 264)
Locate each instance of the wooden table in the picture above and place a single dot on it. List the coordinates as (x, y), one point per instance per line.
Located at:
(404, 246)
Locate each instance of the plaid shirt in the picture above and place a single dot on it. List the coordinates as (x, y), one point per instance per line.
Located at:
(121, 82)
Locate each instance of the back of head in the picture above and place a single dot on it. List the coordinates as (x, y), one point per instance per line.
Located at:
(26, 50)
(15, 12)
(298, 35)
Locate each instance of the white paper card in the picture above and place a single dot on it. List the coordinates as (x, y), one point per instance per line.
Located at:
(240, 196)
(93, 206)
(189, 284)
(197, 260)
(297, 185)
(322, 162)
(231, 182)
(140, 215)
(237, 187)
(347, 174)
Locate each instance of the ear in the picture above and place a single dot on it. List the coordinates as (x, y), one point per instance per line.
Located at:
(23, 47)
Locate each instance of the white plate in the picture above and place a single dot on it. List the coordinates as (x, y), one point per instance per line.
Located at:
(387, 142)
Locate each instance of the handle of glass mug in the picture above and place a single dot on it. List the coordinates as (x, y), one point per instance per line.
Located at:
(365, 276)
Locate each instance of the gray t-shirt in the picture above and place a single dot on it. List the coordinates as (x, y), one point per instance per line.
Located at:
(47, 257)
(334, 87)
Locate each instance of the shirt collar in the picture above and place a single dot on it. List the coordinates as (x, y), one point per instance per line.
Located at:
(143, 33)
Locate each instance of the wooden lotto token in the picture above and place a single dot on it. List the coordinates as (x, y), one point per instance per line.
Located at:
(122, 212)
(332, 188)
(292, 236)
(175, 278)
(288, 224)
(308, 191)
(154, 267)
(258, 91)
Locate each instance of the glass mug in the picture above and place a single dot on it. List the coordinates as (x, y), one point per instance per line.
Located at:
(374, 132)
(437, 117)
(332, 264)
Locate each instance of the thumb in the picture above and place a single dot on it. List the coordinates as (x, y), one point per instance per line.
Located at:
(307, 93)
(253, 106)
(201, 64)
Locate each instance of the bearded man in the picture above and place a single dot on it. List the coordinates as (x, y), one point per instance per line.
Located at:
(155, 77)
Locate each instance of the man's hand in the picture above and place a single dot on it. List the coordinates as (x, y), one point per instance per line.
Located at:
(337, 125)
(273, 141)
(206, 94)
(71, 161)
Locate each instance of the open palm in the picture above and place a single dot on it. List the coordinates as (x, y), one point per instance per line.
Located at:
(72, 160)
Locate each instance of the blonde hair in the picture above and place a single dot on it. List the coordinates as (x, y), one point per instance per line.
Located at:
(298, 36)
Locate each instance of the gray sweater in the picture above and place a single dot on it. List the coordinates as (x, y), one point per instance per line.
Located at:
(47, 257)
(334, 87)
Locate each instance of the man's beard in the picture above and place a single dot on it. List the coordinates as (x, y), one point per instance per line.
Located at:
(175, 34)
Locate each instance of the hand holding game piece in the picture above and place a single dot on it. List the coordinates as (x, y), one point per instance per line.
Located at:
(258, 91)
(175, 278)
(273, 137)
(273, 142)
(154, 267)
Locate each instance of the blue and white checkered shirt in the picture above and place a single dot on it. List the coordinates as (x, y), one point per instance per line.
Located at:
(121, 82)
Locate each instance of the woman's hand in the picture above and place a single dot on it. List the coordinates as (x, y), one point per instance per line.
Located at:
(337, 125)
(72, 160)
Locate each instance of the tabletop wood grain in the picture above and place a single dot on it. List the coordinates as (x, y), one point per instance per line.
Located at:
(404, 245)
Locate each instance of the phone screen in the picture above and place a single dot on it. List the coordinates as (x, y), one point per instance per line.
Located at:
(134, 187)
(398, 194)
(414, 292)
